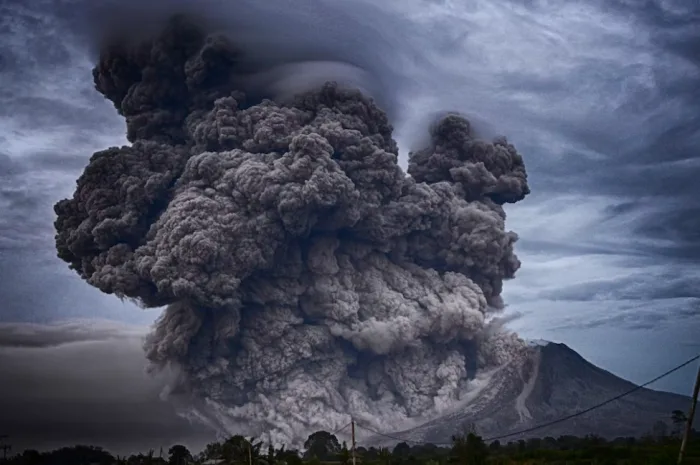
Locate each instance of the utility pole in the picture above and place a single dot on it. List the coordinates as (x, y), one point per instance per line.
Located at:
(689, 421)
(250, 452)
(352, 423)
(5, 447)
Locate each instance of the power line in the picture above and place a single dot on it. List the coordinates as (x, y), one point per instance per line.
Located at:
(589, 409)
(341, 429)
(559, 420)
(389, 436)
(367, 428)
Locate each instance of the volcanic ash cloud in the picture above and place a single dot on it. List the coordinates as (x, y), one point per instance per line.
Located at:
(305, 276)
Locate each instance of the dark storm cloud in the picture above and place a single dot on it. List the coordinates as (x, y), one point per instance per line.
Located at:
(20, 224)
(49, 123)
(669, 224)
(23, 206)
(622, 120)
(632, 315)
(43, 112)
(39, 114)
(9, 167)
(49, 161)
(652, 153)
(60, 294)
(14, 169)
(30, 182)
(644, 297)
(629, 288)
(84, 383)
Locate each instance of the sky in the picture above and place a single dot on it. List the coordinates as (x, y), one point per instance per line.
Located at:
(600, 97)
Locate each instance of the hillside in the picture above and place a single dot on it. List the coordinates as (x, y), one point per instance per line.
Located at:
(553, 381)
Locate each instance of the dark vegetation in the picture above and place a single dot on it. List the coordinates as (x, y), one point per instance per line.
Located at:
(659, 447)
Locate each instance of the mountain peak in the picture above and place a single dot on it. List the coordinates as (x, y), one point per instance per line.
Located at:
(538, 343)
(550, 382)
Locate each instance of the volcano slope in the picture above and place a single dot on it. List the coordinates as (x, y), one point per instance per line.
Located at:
(550, 382)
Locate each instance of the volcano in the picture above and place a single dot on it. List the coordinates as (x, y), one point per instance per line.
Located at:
(550, 382)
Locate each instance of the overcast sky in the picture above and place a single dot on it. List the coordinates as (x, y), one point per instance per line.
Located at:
(601, 97)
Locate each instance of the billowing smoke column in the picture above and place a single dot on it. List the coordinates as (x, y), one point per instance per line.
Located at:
(306, 276)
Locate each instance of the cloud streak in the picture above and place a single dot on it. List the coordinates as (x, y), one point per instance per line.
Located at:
(32, 335)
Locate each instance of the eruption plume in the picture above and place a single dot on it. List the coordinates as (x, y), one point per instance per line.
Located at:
(306, 277)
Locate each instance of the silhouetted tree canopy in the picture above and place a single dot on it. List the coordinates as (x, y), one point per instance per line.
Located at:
(322, 445)
(468, 448)
(179, 455)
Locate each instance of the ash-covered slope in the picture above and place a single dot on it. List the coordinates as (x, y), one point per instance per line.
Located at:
(553, 381)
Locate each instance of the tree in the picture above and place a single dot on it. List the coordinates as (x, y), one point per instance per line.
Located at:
(238, 449)
(322, 445)
(179, 455)
(271, 458)
(28, 457)
(385, 456)
(469, 449)
(79, 455)
(344, 456)
(212, 451)
(288, 457)
(401, 450)
(678, 418)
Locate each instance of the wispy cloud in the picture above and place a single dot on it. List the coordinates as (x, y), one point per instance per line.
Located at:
(28, 335)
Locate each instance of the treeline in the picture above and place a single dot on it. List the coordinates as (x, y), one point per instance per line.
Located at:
(324, 448)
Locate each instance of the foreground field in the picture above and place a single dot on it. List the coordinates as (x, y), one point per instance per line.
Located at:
(323, 448)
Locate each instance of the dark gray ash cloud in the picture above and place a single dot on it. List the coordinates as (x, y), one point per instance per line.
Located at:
(293, 253)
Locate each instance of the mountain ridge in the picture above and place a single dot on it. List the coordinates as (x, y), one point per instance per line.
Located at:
(550, 382)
